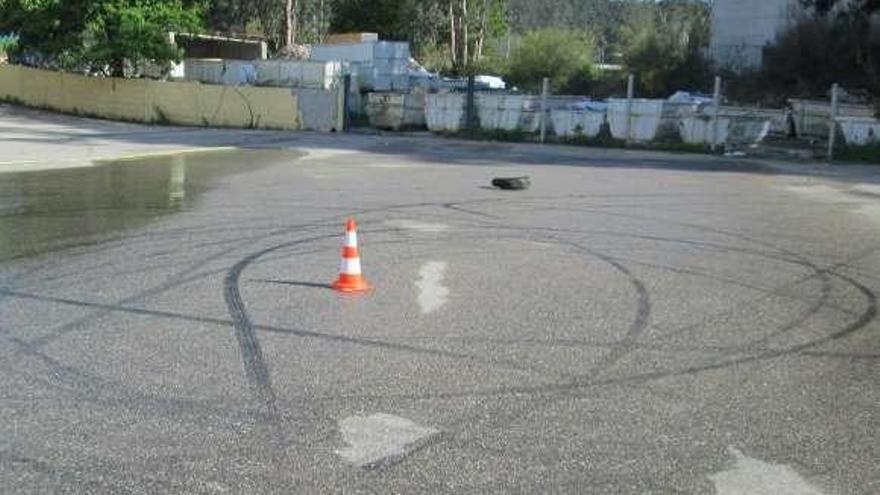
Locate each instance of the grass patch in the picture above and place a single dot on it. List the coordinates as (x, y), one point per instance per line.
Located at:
(676, 147)
(603, 140)
(478, 134)
(864, 154)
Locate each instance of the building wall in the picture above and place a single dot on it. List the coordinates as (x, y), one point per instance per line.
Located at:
(742, 28)
(203, 46)
(148, 101)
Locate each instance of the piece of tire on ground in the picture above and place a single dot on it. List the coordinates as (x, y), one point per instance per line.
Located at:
(511, 183)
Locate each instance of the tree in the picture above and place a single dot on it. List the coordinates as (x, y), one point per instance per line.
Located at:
(662, 43)
(99, 36)
(558, 54)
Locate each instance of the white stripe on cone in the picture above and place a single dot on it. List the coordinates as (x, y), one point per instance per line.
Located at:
(351, 238)
(351, 266)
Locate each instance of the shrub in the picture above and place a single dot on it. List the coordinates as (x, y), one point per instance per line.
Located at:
(558, 54)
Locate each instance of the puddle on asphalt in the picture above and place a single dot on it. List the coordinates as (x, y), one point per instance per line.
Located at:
(46, 210)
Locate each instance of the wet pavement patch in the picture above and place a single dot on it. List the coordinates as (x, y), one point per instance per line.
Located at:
(46, 210)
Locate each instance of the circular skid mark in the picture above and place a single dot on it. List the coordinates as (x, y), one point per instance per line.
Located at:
(93, 388)
(642, 311)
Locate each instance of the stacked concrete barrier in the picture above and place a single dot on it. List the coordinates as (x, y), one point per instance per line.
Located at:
(281, 73)
(379, 65)
(220, 71)
(299, 74)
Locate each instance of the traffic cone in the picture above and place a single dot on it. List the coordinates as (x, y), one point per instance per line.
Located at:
(350, 278)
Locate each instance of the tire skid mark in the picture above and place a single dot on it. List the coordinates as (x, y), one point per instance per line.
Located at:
(865, 318)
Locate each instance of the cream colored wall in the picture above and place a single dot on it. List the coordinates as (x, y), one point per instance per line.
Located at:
(143, 100)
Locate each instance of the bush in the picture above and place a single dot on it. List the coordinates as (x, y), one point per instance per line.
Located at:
(558, 54)
(7, 42)
(869, 153)
(815, 53)
(662, 45)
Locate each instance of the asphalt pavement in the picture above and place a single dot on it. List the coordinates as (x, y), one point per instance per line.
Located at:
(633, 323)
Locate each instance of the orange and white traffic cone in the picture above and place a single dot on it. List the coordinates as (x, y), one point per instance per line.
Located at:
(350, 278)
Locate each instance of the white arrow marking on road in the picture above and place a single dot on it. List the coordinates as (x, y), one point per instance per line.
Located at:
(418, 226)
(751, 476)
(432, 293)
(380, 439)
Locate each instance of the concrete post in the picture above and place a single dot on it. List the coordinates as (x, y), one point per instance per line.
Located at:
(716, 107)
(832, 122)
(630, 92)
(545, 89)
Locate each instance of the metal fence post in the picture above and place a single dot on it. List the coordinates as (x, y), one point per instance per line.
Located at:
(832, 122)
(630, 91)
(545, 88)
(346, 102)
(716, 107)
(470, 104)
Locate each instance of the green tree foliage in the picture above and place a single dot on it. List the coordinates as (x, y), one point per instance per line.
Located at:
(839, 45)
(602, 18)
(662, 43)
(559, 54)
(98, 35)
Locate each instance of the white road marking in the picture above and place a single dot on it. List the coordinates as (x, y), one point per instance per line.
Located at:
(432, 292)
(858, 204)
(872, 211)
(819, 192)
(751, 476)
(380, 439)
(419, 226)
(323, 154)
(867, 188)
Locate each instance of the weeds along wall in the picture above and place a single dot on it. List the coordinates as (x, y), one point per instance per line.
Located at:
(148, 101)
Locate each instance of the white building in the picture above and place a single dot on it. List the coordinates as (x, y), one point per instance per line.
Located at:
(742, 28)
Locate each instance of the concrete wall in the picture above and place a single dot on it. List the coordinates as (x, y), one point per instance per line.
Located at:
(147, 101)
(320, 110)
(396, 110)
(742, 28)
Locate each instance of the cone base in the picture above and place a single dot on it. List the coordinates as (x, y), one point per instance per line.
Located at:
(351, 285)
